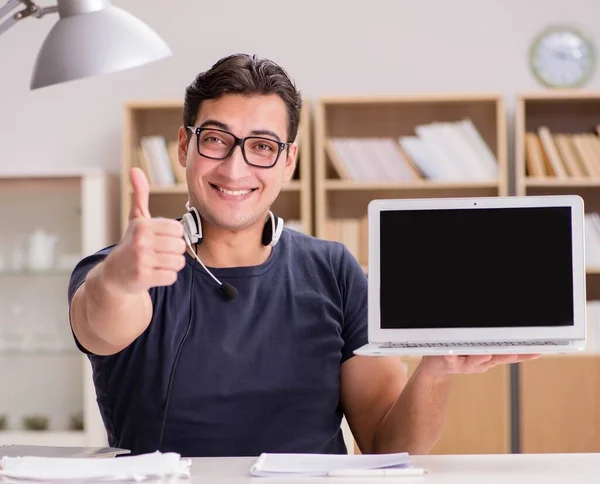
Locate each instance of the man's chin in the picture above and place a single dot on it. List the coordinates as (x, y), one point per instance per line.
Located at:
(234, 224)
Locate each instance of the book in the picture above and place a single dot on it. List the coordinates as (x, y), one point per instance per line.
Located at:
(268, 465)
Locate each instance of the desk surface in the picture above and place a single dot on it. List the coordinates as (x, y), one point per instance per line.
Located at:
(447, 469)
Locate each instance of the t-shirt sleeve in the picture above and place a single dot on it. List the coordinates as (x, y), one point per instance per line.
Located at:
(354, 296)
(78, 276)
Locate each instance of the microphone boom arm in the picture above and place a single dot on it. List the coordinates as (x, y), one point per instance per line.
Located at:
(30, 10)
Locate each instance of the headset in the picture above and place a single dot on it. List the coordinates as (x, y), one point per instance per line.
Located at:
(192, 234)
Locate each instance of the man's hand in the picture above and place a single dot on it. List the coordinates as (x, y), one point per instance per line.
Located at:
(452, 365)
(152, 250)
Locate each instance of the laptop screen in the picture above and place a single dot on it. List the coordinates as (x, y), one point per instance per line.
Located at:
(471, 268)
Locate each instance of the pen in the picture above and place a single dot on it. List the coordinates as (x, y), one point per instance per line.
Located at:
(405, 471)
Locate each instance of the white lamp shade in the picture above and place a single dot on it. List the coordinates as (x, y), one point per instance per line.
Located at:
(95, 43)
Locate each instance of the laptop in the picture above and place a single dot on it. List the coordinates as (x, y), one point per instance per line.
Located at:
(497, 275)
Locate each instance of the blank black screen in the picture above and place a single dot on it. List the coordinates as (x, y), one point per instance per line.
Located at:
(485, 268)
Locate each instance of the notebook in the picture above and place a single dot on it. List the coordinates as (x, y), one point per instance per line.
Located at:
(268, 465)
(484, 275)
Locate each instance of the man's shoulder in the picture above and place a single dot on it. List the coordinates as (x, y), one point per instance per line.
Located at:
(90, 260)
(321, 255)
(84, 266)
(307, 244)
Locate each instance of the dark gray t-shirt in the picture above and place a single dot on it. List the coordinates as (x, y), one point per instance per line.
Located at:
(259, 373)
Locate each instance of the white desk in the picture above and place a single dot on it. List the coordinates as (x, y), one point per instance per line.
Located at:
(458, 469)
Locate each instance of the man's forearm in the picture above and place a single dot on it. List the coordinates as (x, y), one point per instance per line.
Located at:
(414, 423)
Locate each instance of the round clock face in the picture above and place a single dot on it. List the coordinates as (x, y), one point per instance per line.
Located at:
(562, 57)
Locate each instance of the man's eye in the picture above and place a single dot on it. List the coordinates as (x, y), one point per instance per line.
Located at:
(212, 139)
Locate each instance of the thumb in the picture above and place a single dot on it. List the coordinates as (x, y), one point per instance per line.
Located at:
(141, 194)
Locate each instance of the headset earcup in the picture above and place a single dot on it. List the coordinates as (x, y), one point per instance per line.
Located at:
(272, 230)
(192, 226)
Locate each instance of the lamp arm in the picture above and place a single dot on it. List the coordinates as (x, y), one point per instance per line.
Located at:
(30, 10)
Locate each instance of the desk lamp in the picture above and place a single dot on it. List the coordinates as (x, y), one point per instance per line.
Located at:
(91, 38)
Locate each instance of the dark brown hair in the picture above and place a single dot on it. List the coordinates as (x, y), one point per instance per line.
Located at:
(246, 75)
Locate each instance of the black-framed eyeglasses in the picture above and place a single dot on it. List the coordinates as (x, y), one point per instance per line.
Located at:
(218, 144)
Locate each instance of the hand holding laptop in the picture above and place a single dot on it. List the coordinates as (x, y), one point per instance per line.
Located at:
(454, 365)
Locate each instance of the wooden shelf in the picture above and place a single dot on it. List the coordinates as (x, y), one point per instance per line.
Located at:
(427, 98)
(346, 196)
(163, 118)
(561, 95)
(471, 413)
(346, 185)
(561, 183)
(561, 390)
(559, 404)
(562, 112)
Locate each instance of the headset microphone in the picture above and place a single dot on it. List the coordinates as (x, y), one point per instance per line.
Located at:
(229, 291)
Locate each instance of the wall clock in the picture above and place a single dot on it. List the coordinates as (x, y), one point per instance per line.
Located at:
(562, 57)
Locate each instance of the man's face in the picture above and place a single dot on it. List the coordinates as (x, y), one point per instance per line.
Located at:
(230, 193)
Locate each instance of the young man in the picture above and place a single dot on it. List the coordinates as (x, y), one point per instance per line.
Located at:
(179, 366)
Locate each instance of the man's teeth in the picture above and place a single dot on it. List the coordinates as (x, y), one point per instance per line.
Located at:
(234, 192)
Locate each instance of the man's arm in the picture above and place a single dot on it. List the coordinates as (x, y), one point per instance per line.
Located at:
(113, 307)
(387, 413)
(104, 319)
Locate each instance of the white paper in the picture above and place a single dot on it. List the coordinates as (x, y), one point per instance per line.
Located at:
(322, 464)
(128, 468)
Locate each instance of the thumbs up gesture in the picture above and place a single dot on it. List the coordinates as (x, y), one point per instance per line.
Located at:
(152, 250)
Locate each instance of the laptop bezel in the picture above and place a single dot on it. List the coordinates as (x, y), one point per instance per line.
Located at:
(575, 332)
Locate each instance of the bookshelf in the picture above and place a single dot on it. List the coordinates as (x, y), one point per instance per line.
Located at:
(403, 146)
(49, 396)
(557, 151)
(557, 147)
(161, 119)
(355, 139)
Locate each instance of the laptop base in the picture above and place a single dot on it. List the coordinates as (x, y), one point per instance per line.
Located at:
(430, 349)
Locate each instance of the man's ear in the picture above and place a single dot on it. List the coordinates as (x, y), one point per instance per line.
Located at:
(183, 143)
(291, 161)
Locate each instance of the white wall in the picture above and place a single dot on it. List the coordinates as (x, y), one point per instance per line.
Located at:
(379, 46)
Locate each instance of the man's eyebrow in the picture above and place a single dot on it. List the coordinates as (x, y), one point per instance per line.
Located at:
(225, 127)
(267, 132)
(215, 123)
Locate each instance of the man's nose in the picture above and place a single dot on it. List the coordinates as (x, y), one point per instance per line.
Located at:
(234, 166)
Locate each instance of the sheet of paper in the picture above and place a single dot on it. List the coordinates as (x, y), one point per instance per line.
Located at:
(322, 464)
(127, 468)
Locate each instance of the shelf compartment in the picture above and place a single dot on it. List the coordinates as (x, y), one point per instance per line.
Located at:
(354, 201)
(164, 118)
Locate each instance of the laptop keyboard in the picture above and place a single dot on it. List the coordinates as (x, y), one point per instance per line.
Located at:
(472, 344)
